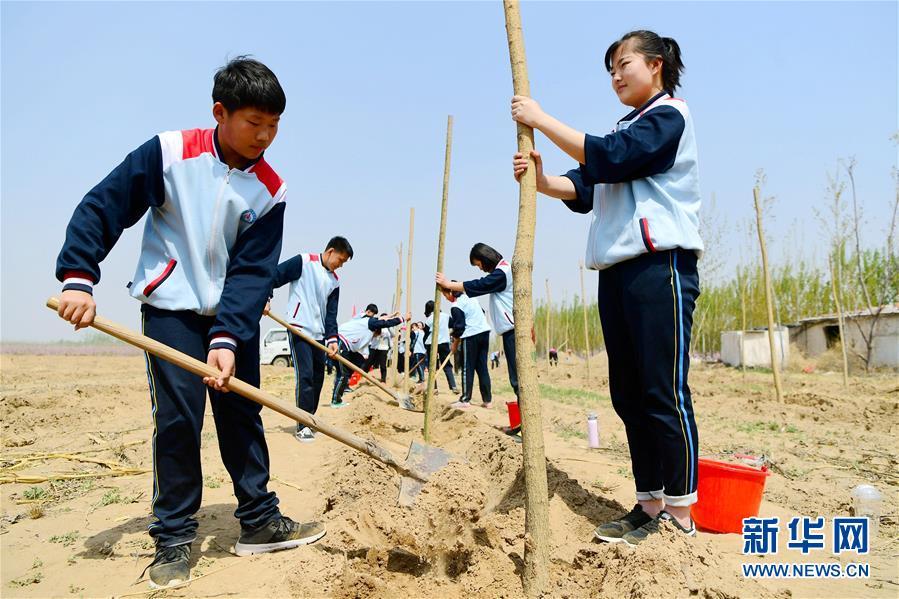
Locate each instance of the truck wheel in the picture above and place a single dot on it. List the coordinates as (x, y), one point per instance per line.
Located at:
(281, 361)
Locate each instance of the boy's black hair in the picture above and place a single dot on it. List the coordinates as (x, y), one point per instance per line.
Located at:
(247, 83)
(372, 308)
(487, 256)
(651, 45)
(429, 308)
(341, 245)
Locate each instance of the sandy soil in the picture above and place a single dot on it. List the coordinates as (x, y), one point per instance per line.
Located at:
(464, 536)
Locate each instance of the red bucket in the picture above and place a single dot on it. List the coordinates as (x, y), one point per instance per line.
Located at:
(727, 494)
(354, 378)
(514, 414)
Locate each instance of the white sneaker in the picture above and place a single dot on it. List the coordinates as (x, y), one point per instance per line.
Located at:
(305, 435)
(460, 405)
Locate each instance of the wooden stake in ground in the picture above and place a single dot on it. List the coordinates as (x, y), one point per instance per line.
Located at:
(407, 377)
(586, 328)
(435, 329)
(535, 577)
(839, 305)
(396, 308)
(769, 300)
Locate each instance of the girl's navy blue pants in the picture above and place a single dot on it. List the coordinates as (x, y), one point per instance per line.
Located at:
(509, 350)
(646, 310)
(179, 402)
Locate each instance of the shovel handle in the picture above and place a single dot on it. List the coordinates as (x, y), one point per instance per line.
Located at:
(246, 390)
(338, 357)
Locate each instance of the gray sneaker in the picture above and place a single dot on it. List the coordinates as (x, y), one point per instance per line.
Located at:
(612, 532)
(170, 566)
(305, 435)
(280, 533)
(665, 519)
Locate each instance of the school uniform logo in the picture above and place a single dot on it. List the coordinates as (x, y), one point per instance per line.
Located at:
(248, 216)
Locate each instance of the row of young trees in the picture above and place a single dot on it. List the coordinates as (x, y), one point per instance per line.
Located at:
(863, 274)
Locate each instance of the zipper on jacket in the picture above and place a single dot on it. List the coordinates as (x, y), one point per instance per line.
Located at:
(210, 249)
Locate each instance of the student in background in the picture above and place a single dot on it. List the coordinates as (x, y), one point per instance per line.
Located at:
(468, 327)
(442, 346)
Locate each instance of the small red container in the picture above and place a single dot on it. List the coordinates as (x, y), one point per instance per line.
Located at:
(354, 378)
(514, 414)
(727, 494)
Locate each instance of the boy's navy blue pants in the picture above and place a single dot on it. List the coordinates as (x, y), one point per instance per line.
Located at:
(646, 310)
(309, 370)
(509, 350)
(179, 402)
(474, 360)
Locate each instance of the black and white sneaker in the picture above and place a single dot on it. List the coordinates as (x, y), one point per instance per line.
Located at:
(280, 533)
(305, 435)
(612, 532)
(664, 519)
(170, 566)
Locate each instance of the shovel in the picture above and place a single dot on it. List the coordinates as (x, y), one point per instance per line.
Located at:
(403, 399)
(422, 461)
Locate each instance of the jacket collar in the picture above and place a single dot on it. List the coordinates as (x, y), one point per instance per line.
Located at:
(218, 152)
(638, 111)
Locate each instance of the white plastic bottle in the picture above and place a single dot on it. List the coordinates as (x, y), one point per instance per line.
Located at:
(868, 502)
(592, 431)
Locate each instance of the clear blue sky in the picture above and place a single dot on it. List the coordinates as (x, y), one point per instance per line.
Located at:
(788, 87)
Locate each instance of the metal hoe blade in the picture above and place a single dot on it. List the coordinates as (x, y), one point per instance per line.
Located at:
(426, 459)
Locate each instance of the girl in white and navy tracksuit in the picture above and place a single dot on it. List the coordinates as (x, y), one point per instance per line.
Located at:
(468, 325)
(641, 184)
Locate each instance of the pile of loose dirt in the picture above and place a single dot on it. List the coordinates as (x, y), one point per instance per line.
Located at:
(465, 534)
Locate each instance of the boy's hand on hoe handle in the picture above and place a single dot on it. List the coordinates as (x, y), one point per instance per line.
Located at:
(77, 307)
(332, 349)
(221, 359)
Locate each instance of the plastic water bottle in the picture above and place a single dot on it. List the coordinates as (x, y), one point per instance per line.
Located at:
(592, 431)
(867, 503)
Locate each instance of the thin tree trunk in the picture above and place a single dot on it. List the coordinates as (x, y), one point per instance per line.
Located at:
(435, 328)
(838, 303)
(586, 326)
(743, 324)
(407, 376)
(535, 577)
(394, 371)
(775, 357)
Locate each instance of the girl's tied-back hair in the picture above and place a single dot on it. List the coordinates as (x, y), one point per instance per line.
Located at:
(488, 256)
(652, 45)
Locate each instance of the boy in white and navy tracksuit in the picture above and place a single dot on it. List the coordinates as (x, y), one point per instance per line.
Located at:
(641, 183)
(468, 324)
(210, 245)
(312, 304)
(443, 343)
(354, 338)
(377, 352)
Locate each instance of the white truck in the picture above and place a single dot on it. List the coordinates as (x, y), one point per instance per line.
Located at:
(274, 347)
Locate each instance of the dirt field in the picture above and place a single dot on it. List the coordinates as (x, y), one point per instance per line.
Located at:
(464, 537)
